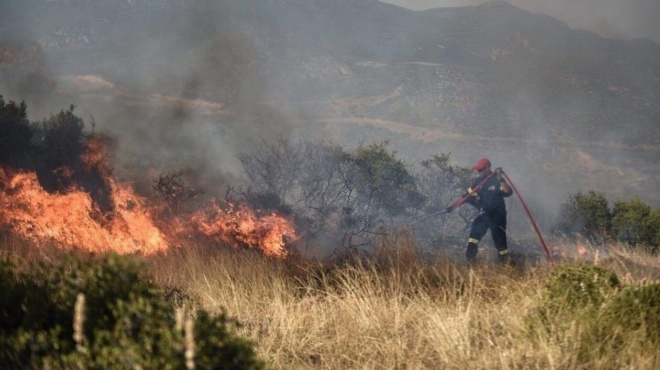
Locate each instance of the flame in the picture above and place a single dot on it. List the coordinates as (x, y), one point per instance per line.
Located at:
(242, 226)
(581, 249)
(74, 219)
(95, 156)
(71, 220)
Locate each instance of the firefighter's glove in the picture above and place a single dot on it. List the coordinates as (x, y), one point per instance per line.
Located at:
(498, 173)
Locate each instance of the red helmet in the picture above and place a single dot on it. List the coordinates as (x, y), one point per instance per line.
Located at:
(481, 165)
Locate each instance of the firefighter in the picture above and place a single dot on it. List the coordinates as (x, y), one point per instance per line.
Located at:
(488, 197)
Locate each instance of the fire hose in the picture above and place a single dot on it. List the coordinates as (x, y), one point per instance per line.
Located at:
(531, 219)
(459, 202)
(462, 200)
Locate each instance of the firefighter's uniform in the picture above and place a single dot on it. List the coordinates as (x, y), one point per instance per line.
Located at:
(489, 200)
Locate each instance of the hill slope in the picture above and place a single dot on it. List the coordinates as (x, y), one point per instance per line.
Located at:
(517, 84)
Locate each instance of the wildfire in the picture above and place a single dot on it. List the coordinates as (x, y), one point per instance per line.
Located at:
(112, 217)
(71, 219)
(239, 226)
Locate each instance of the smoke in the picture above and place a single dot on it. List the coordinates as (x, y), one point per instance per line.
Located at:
(609, 18)
(192, 88)
(187, 93)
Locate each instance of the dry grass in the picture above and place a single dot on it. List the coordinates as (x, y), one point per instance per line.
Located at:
(393, 310)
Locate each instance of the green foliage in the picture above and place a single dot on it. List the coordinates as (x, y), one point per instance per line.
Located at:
(631, 315)
(586, 214)
(442, 182)
(15, 134)
(333, 193)
(587, 309)
(571, 294)
(635, 223)
(573, 288)
(128, 322)
(632, 221)
(384, 181)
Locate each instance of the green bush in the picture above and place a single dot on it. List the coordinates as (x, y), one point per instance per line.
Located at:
(586, 214)
(586, 308)
(571, 293)
(631, 317)
(578, 287)
(634, 222)
(128, 322)
(383, 181)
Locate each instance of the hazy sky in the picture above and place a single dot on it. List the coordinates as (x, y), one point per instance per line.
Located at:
(610, 18)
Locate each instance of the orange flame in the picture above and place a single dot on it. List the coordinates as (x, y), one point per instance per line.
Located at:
(94, 156)
(73, 220)
(242, 226)
(68, 220)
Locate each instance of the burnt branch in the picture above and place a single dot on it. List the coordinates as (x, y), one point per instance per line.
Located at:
(173, 189)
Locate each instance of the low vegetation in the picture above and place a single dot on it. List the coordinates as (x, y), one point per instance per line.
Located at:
(629, 221)
(391, 309)
(102, 313)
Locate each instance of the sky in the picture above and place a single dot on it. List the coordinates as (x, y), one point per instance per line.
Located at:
(619, 19)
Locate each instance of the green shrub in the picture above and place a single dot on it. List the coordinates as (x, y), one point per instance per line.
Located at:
(586, 214)
(631, 315)
(128, 322)
(578, 287)
(634, 222)
(571, 293)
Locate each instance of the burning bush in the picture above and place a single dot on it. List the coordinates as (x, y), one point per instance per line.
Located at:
(57, 187)
(348, 197)
(89, 313)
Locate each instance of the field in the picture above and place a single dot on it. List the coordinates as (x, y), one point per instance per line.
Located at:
(395, 310)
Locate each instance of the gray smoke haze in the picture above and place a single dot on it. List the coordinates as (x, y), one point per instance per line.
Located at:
(168, 106)
(199, 108)
(617, 19)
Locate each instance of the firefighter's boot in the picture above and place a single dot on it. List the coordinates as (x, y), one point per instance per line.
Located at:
(472, 249)
(503, 256)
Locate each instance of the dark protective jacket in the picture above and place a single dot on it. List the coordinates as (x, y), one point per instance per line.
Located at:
(490, 197)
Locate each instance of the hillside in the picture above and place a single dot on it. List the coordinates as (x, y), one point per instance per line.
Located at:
(522, 88)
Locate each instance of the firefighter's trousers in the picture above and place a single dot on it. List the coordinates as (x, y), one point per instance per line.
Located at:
(496, 222)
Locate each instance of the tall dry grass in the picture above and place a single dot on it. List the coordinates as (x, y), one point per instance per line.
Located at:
(394, 310)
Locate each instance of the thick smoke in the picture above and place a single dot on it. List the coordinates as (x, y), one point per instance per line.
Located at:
(185, 92)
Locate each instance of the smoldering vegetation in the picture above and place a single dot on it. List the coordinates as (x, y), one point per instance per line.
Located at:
(341, 201)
